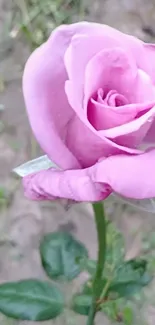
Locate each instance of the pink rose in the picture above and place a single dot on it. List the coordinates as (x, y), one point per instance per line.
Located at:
(90, 96)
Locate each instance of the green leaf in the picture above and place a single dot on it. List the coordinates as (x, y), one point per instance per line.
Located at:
(61, 255)
(81, 304)
(87, 287)
(128, 316)
(31, 300)
(114, 251)
(90, 266)
(129, 278)
(111, 309)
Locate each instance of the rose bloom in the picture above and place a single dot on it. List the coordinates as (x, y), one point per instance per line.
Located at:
(90, 97)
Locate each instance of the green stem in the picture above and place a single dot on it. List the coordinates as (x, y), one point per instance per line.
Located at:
(101, 233)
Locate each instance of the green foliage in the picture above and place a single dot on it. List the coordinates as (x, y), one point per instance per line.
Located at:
(127, 316)
(90, 266)
(63, 258)
(129, 278)
(35, 19)
(115, 250)
(121, 280)
(119, 311)
(112, 309)
(114, 253)
(2, 193)
(5, 197)
(81, 304)
(87, 287)
(31, 300)
(61, 255)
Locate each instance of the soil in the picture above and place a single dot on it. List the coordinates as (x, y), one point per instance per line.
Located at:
(22, 222)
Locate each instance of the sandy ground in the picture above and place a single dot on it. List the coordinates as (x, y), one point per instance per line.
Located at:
(23, 223)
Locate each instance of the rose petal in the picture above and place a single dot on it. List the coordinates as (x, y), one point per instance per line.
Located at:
(43, 85)
(84, 46)
(89, 145)
(150, 136)
(115, 99)
(147, 60)
(73, 184)
(104, 117)
(116, 70)
(130, 176)
(110, 69)
(132, 133)
(45, 97)
(80, 51)
(144, 88)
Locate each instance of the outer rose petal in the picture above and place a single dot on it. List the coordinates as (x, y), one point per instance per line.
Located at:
(150, 60)
(73, 184)
(46, 102)
(147, 61)
(130, 176)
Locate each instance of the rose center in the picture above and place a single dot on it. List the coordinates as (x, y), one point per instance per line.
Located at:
(102, 109)
(112, 98)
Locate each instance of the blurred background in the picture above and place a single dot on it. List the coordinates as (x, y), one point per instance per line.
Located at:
(25, 24)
